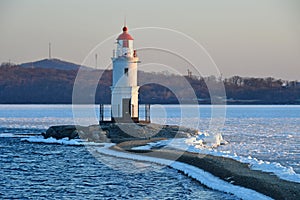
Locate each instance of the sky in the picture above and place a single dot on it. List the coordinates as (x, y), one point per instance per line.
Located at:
(258, 38)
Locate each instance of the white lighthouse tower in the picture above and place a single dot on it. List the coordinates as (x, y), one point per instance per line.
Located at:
(124, 89)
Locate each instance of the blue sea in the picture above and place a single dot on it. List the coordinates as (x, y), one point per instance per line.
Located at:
(49, 171)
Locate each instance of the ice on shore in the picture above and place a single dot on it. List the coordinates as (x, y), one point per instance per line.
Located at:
(207, 140)
(196, 145)
(200, 175)
(202, 140)
(203, 143)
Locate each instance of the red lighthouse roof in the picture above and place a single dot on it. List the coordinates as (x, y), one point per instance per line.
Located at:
(125, 35)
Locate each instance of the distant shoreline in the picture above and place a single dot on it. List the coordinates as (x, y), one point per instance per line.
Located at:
(234, 104)
(52, 82)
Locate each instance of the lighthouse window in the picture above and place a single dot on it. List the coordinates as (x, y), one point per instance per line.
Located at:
(126, 71)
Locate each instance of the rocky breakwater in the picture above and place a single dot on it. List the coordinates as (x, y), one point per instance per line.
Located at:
(91, 133)
(119, 132)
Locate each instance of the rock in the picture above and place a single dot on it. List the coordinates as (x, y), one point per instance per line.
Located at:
(119, 132)
(92, 133)
(59, 132)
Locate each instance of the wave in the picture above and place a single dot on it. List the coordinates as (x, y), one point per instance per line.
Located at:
(63, 141)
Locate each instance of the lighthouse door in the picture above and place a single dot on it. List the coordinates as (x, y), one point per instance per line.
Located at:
(126, 111)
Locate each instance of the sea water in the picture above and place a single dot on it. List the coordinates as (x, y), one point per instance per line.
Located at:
(269, 133)
(41, 171)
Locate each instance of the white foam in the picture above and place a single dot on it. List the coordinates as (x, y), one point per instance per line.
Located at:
(7, 135)
(200, 175)
(64, 141)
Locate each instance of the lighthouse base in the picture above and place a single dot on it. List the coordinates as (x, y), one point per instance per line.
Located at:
(125, 120)
(105, 119)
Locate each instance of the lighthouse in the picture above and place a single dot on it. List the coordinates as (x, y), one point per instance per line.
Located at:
(124, 89)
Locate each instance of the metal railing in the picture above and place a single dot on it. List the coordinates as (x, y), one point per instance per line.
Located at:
(106, 113)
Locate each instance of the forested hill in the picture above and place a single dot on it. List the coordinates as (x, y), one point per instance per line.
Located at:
(53, 63)
(55, 86)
